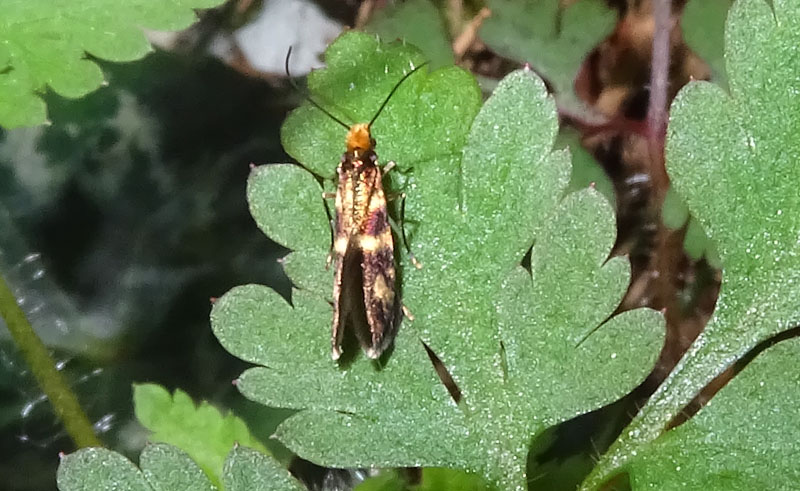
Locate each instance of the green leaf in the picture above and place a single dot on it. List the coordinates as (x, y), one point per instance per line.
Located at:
(99, 469)
(703, 26)
(167, 468)
(697, 244)
(449, 480)
(674, 212)
(248, 470)
(733, 157)
(385, 481)
(201, 431)
(480, 194)
(586, 170)
(554, 40)
(746, 439)
(433, 479)
(164, 468)
(417, 22)
(675, 215)
(44, 45)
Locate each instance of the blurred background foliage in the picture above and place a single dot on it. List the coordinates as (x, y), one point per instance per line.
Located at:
(119, 225)
(122, 217)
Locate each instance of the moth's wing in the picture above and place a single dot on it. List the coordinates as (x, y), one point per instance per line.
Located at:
(381, 302)
(339, 312)
(343, 231)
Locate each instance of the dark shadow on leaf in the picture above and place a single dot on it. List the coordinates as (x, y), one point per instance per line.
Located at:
(350, 348)
(723, 378)
(314, 476)
(503, 361)
(561, 456)
(598, 326)
(444, 375)
(526, 260)
(384, 358)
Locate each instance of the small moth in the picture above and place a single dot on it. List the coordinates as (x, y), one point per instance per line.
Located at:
(365, 296)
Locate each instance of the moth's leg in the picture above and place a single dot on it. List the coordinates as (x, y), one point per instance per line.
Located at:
(389, 166)
(386, 168)
(391, 197)
(408, 313)
(411, 256)
(329, 258)
(402, 231)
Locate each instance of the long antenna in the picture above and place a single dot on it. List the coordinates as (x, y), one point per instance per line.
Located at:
(312, 101)
(394, 89)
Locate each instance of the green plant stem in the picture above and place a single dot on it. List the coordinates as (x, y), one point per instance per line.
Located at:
(64, 401)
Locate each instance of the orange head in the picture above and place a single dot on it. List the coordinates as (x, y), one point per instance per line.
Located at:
(359, 139)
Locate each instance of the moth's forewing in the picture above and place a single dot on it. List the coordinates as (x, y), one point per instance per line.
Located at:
(377, 248)
(341, 241)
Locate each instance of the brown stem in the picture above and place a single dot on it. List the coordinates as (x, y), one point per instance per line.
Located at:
(470, 33)
(657, 113)
(364, 13)
(454, 12)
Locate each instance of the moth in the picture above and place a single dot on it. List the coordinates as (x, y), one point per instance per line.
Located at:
(365, 296)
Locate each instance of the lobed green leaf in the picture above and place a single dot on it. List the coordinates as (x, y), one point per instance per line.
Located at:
(746, 439)
(200, 431)
(432, 479)
(164, 467)
(733, 157)
(167, 468)
(703, 26)
(417, 22)
(480, 194)
(249, 470)
(552, 38)
(45, 45)
(99, 469)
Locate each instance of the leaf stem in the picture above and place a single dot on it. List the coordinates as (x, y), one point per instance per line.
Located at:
(65, 403)
(657, 112)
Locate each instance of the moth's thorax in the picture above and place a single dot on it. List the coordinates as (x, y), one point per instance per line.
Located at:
(359, 140)
(359, 182)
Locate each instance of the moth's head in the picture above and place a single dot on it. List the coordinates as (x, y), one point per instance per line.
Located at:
(359, 139)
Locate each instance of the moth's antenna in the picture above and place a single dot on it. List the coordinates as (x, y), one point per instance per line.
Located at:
(308, 97)
(394, 89)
